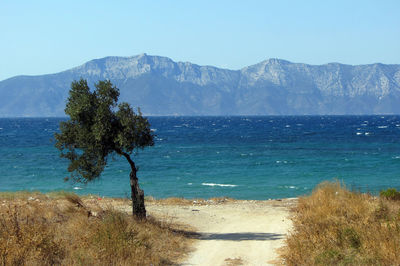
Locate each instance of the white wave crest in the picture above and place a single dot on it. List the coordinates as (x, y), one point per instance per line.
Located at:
(218, 185)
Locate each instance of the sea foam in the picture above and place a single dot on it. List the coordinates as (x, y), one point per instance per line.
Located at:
(218, 185)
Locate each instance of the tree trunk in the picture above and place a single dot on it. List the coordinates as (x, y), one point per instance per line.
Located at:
(137, 195)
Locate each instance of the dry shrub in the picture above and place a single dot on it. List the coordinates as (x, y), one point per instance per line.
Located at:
(334, 226)
(26, 235)
(47, 231)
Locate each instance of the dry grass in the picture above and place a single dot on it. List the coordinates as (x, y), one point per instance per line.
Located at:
(334, 226)
(39, 229)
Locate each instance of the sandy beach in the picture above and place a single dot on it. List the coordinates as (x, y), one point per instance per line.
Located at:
(230, 232)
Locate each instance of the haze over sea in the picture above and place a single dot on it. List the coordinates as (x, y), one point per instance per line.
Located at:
(258, 157)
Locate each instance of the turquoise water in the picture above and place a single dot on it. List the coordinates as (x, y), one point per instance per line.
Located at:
(240, 157)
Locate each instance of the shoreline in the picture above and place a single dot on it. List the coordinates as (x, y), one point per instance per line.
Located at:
(150, 198)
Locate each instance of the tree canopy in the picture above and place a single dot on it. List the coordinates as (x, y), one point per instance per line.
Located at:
(99, 127)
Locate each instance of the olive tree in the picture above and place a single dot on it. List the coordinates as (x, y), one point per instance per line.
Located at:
(98, 128)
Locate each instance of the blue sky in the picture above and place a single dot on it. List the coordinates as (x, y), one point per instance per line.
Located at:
(40, 37)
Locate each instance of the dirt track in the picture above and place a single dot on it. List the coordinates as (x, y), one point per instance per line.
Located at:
(233, 232)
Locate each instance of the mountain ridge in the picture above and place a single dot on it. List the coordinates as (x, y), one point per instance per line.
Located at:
(161, 86)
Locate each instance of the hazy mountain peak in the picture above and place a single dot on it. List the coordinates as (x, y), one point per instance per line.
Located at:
(277, 61)
(161, 86)
(141, 55)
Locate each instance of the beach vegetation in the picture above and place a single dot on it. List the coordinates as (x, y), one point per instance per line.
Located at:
(334, 226)
(38, 229)
(390, 194)
(99, 127)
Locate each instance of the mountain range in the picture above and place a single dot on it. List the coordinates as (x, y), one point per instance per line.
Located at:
(160, 86)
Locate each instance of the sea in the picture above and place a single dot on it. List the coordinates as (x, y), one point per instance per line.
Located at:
(242, 157)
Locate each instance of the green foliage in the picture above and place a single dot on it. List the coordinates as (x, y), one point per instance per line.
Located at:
(390, 193)
(99, 127)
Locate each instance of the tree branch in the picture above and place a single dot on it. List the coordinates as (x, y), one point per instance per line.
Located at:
(128, 157)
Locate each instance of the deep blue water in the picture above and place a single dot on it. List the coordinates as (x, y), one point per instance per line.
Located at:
(240, 157)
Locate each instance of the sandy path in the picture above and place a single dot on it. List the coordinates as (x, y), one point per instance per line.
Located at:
(232, 233)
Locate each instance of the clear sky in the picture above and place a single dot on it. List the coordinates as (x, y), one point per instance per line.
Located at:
(40, 37)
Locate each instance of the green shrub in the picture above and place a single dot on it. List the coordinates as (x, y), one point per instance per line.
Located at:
(390, 193)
